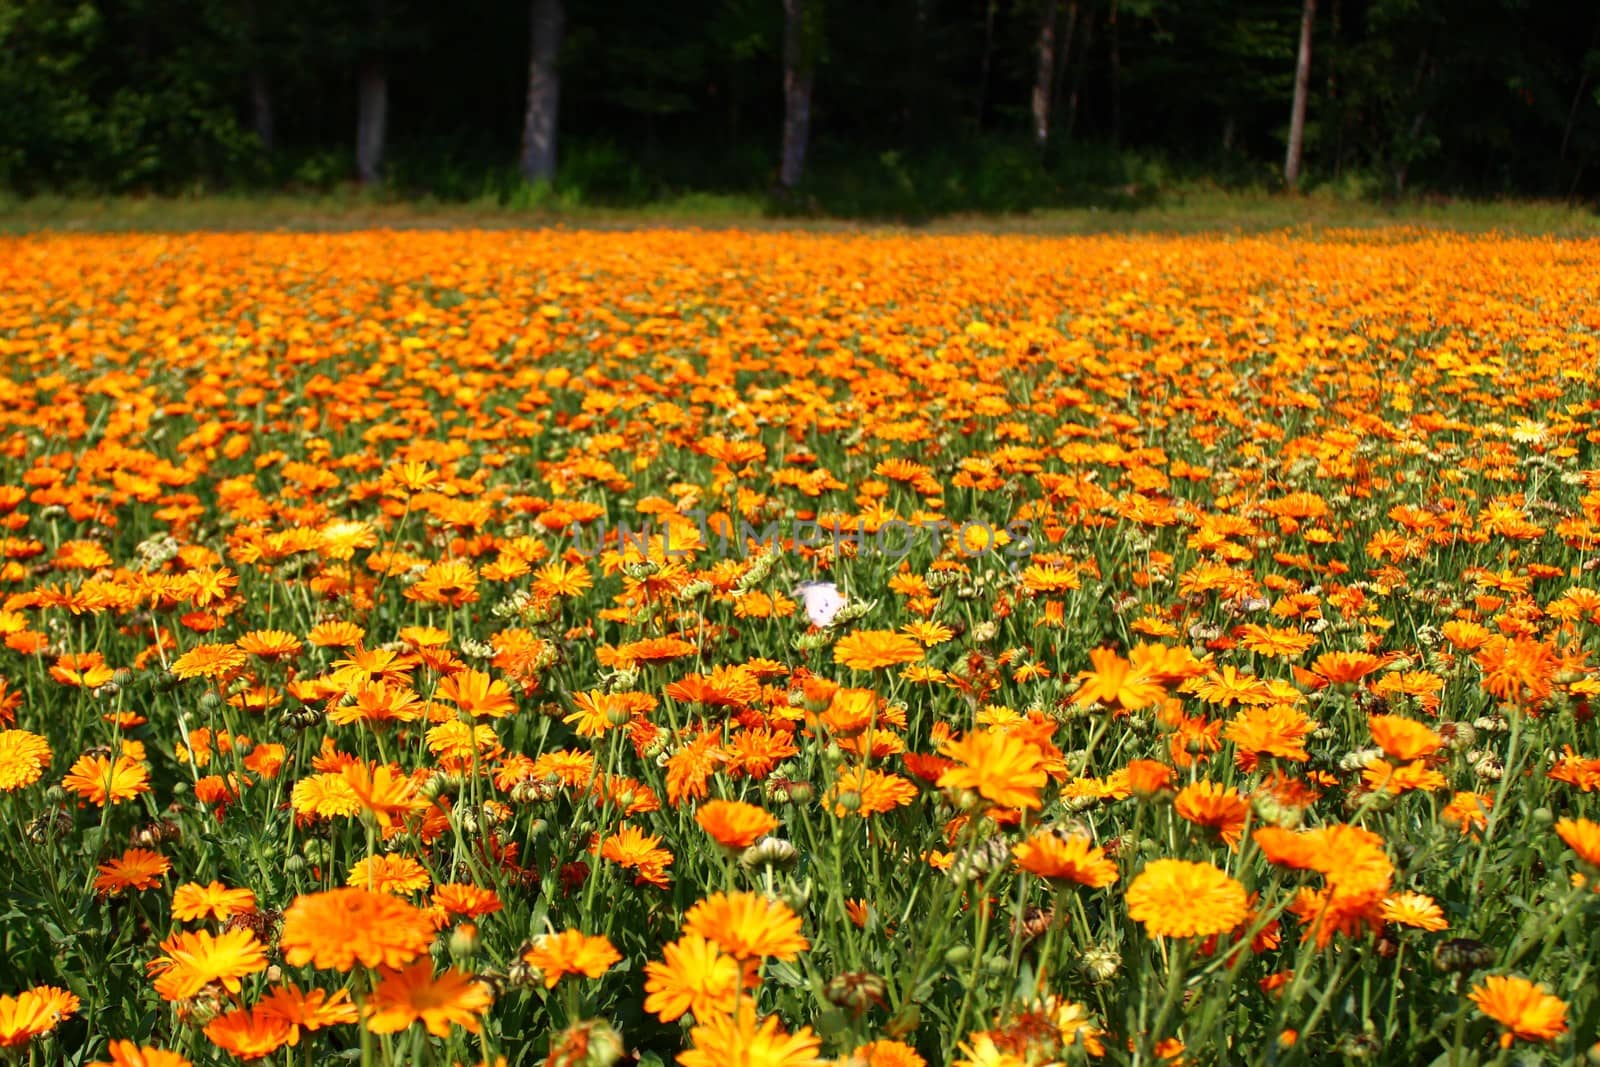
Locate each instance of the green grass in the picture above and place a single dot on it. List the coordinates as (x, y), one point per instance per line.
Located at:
(1182, 209)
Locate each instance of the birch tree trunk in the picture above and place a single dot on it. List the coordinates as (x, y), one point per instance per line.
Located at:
(547, 20)
(798, 75)
(1044, 74)
(372, 120)
(372, 101)
(1302, 86)
(1079, 69)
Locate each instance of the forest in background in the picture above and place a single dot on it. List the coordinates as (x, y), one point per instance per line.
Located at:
(897, 107)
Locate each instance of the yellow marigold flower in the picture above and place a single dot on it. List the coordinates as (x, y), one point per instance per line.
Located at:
(23, 759)
(389, 873)
(1177, 898)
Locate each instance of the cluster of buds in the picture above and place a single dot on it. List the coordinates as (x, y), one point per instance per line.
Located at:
(856, 991)
(1461, 955)
(770, 853)
(977, 860)
(759, 570)
(1099, 964)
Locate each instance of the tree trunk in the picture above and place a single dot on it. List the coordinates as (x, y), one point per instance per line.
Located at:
(260, 87)
(798, 75)
(1404, 168)
(1080, 69)
(372, 120)
(372, 95)
(1425, 71)
(261, 107)
(1577, 97)
(1044, 74)
(547, 21)
(1063, 56)
(1302, 85)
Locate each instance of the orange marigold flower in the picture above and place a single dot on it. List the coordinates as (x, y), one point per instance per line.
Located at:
(101, 780)
(980, 1050)
(469, 901)
(415, 994)
(653, 650)
(1349, 856)
(1276, 641)
(631, 847)
(1381, 775)
(209, 661)
(137, 868)
(1342, 668)
(341, 927)
(249, 1033)
(1416, 910)
(478, 694)
(312, 1009)
(1571, 768)
(1467, 811)
(1467, 636)
(1583, 837)
(269, 644)
(1215, 807)
(1001, 767)
(1526, 1011)
(1229, 686)
(1176, 898)
(694, 977)
(192, 960)
(1117, 683)
(384, 791)
(84, 670)
(33, 1012)
(1278, 730)
(389, 873)
(1402, 739)
(335, 634)
(866, 650)
(733, 823)
(875, 792)
(1146, 778)
(887, 1054)
(1060, 859)
(449, 581)
(739, 1038)
(127, 1054)
(570, 952)
(747, 926)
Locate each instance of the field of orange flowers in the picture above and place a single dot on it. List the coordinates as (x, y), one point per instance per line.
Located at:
(775, 650)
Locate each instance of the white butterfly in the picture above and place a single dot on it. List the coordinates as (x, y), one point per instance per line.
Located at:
(822, 600)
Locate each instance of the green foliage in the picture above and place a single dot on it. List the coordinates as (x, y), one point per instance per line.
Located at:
(919, 109)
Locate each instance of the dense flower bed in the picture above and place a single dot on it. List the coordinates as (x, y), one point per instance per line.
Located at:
(782, 649)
